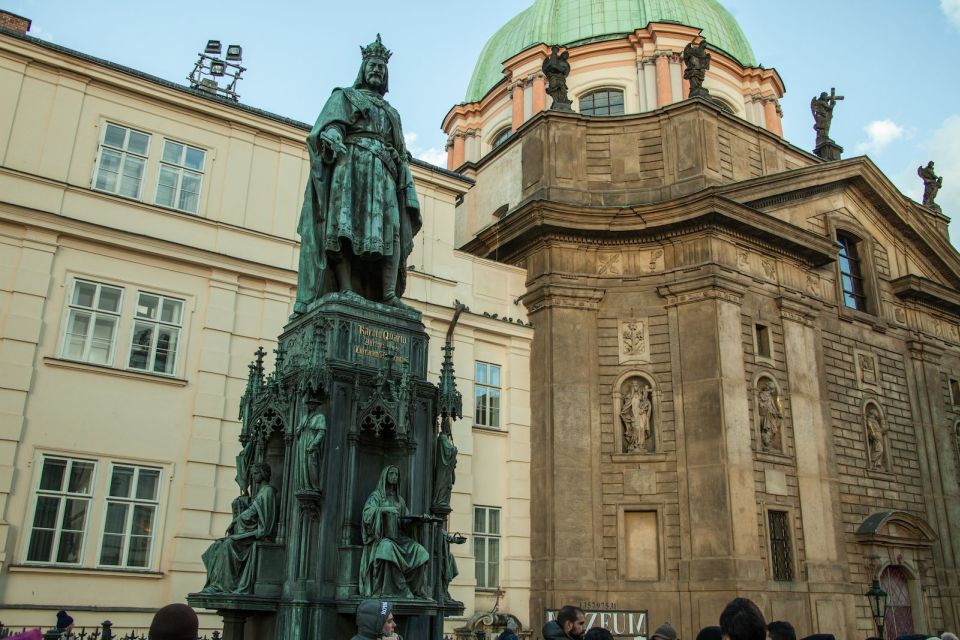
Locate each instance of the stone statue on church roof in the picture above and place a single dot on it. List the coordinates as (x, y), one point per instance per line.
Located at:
(556, 68)
(931, 185)
(696, 62)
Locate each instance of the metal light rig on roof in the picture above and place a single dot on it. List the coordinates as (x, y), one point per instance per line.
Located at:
(210, 67)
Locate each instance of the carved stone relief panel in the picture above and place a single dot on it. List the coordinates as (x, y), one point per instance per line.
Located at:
(769, 414)
(633, 337)
(769, 267)
(655, 261)
(610, 264)
(635, 415)
(868, 375)
(876, 435)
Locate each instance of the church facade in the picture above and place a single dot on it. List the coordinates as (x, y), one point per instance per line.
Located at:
(746, 362)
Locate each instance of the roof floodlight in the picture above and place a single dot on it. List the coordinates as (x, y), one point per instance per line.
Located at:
(213, 47)
(217, 67)
(206, 84)
(234, 53)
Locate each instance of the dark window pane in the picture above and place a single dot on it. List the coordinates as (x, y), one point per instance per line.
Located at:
(52, 477)
(780, 550)
(112, 548)
(69, 550)
(121, 481)
(81, 478)
(41, 545)
(45, 515)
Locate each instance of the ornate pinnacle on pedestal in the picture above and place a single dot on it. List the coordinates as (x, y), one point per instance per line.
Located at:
(450, 401)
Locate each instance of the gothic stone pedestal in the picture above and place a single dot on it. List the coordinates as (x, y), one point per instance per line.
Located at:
(368, 364)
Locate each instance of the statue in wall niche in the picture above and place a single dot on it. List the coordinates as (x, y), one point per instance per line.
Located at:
(556, 68)
(635, 416)
(696, 62)
(392, 564)
(770, 412)
(360, 210)
(231, 560)
(875, 433)
(311, 434)
(444, 468)
(931, 185)
(822, 108)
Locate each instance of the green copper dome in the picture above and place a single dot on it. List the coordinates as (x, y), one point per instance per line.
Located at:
(568, 21)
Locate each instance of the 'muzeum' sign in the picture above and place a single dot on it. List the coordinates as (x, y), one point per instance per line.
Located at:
(622, 624)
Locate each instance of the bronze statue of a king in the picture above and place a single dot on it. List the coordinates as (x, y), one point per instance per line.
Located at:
(360, 210)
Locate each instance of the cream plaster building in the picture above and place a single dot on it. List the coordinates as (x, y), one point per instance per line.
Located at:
(147, 248)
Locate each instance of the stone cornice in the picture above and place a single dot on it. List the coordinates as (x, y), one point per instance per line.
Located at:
(927, 292)
(798, 310)
(724, 286)
(925, 350)
(538, 219)
(569, 296)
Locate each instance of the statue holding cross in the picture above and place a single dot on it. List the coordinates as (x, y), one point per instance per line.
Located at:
(822, 108)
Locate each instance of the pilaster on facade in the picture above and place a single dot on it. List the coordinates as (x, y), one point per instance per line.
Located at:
(27, 265)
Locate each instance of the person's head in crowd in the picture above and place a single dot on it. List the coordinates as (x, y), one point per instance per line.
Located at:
(598, 633)
(175, 621)
(710, 633)
(742, 620)
(572, 621)
(946, 635)
(64, 621)
(820, 636)
(781, 630)
(664, 632)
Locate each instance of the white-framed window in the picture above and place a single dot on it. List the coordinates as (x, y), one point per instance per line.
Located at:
(61, 510)
(106, 326)
(121, 161)
(486, 546)
(130, 520)
(156, 333)
(486, 406)
(92, 322)
(181, 176)
(94, 513)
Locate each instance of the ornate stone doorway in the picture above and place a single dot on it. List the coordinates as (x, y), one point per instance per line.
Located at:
(899, 618)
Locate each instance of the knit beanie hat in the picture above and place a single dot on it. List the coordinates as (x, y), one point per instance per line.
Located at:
(665, 631)
(63, 619)
(175, 621)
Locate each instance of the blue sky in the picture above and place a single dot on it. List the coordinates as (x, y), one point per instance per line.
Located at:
(893, 60)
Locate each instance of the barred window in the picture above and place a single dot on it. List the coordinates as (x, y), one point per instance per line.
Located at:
(130, 522)
(92, 322)
(605, 102)
(123, 156)
(487, 395)
(181, 176)
(486, 546)
(781, 552)
(60, 512)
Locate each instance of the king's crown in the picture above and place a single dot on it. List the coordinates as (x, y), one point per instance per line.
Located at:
(376, 50)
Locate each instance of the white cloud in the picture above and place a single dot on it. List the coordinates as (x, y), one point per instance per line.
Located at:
(952, 10)
(432, 155)
(880, 133)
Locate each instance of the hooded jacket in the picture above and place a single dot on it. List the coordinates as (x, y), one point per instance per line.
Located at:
(371, 616)
(553, 631)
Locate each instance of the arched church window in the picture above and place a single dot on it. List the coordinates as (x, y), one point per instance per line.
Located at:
(502, 136)
(603, 102)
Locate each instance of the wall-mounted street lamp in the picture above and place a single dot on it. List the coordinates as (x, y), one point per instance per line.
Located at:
(877, 598)
(210, 67)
